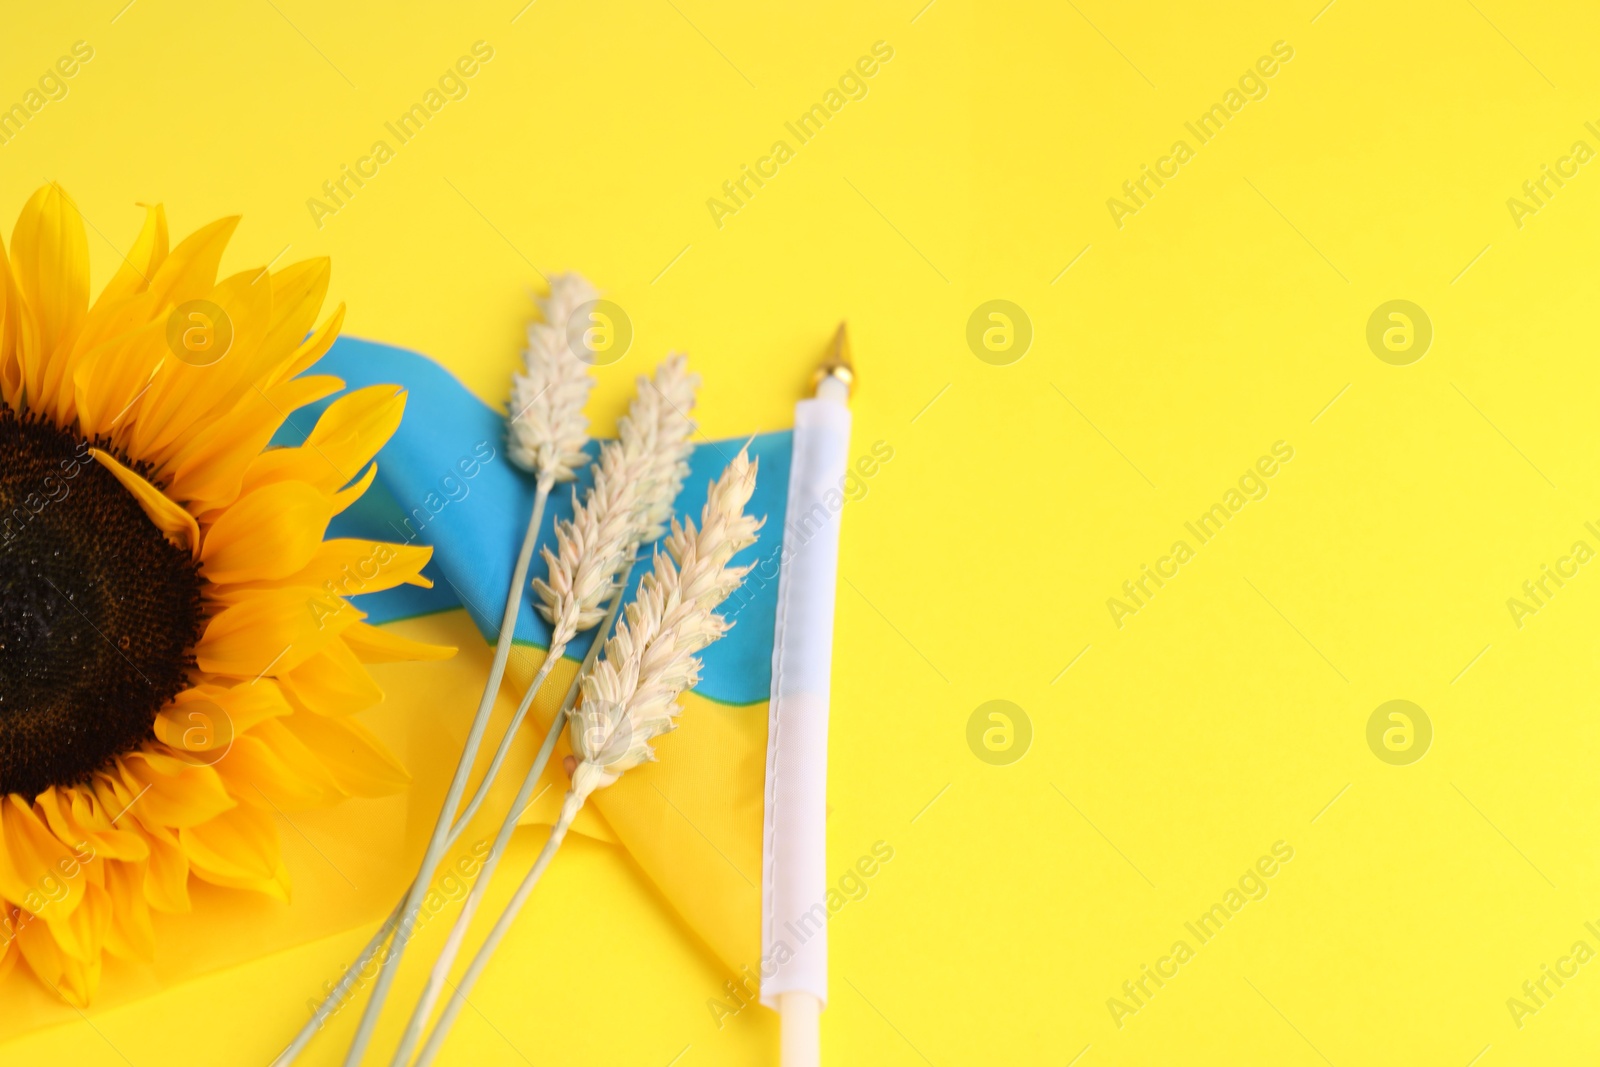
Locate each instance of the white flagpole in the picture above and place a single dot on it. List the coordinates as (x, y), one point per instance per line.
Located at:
(794, 911)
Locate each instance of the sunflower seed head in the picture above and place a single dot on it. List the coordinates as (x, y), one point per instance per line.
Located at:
(547, 427)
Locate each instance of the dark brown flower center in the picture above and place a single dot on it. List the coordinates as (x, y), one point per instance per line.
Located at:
(99, 612)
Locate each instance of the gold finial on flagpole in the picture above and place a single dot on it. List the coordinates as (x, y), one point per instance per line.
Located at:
(836, 365)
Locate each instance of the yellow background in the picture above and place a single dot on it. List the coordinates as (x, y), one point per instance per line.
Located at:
(1223, 317)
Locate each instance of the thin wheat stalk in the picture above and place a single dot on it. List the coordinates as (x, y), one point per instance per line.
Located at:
(630, 696)
(546, 431)
(337, 996)
(637, 480)
(440, 973)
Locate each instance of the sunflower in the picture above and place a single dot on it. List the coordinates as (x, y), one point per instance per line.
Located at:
(178, 664)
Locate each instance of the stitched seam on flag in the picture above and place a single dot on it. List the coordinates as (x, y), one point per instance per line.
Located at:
(774, 719)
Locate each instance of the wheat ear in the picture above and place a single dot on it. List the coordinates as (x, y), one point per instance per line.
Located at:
(630, 697)
(636, 481)
(546, 432)
(548, 429)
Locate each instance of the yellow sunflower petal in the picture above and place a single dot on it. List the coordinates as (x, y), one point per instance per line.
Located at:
(111, 379)
(82, 933)
(377, 645)
(170, 519)
(75, 981)
(185, 396)
(344, 498)
(345, 566)
(312, 348)
(166, 878)
(209, 717)
(358, 761)
(140, 264)
(172, 792)
(21, 339)
(333, 682)
(11, 310)
(297, 294)
(274, 631)
(190, 271)
(80, 822)
(272, 768)
(131, 935)
(209, 470)
(9, 953)
(266, 534)
(122, 308)
(239, 850)
(111, 791)
(34, 862)
(354, 566)
(50, 255)
(346, 437)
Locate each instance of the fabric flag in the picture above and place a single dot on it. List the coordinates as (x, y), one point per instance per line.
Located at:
(692, 821)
